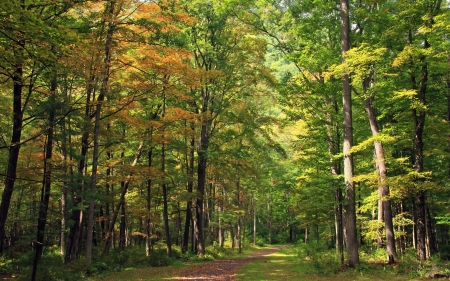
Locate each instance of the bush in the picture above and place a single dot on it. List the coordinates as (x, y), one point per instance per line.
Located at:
(159, 258)
(51, 268)
(322, 259)
(260, 242)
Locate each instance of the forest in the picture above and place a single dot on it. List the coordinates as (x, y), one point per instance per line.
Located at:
(181, 125)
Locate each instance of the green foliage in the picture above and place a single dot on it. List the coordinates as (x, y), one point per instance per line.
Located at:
(323, 259)
(51, 268)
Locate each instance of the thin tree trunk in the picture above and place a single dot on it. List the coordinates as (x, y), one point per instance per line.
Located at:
(433, 247)
(333, 149)
(75, 234)
(148, 202)
(164, 186)
(96, 135)
(201, 182)
(123, 227)
(384, 205)
(14, 148)
(238, 205)
(64, 187)
(419, 124)
(306, 235)
(190, 185)
(221, 220)
(46, 185)
(233, 242)
(350, 229)
(254, 222)
(108, 237)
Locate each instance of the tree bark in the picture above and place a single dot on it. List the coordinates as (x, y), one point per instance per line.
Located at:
(14, 148)
(384, 209)
(334, 138)
(254, 222)
(75, 234)
(46, 184)
(108, 237)
(96, 135)
(148, 202)
(190, 185)
(350, 226)
(164, 186)
(201, 174)
(122, 226)
(419, 124)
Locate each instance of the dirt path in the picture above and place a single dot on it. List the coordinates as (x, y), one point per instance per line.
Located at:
(223, 270)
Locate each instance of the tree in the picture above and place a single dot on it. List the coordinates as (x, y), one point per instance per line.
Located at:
(350, 212)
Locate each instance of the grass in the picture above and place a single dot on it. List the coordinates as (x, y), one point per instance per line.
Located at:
(289, 264)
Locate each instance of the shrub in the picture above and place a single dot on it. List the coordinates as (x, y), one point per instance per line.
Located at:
(321, 259)
(159, 258)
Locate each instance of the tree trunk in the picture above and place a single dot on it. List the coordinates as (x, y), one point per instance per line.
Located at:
(221, 220)
(385, 209)
(334, 139)
(75, 234)
(14, 148)
(164, 187)
(148, 202)
(46, 184)
(96, 135)
(419, 124)
(432, 242)
(238, 205)
(201, 183)
(190, 185)
(233, 242)
(122, 227)
(64, 187)
(350, 227)
(110, 232)
(254, 222)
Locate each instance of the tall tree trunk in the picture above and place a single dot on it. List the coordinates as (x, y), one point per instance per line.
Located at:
(164, 185)
(75, 234)
(201, 177)
(350, 226)
(385, 209)
(221, 220)
(419, 124)
(334, 139)
(46, 184)
(96, 135)
(64, 187)
(190, 185)
(14, 148)
(148, 201)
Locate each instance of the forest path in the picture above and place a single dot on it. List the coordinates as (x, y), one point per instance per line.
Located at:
(224, 270)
